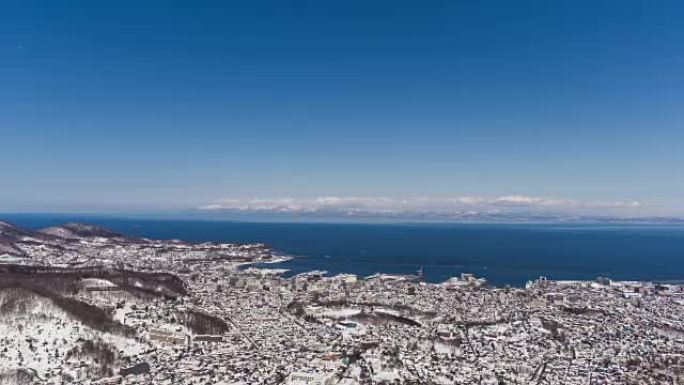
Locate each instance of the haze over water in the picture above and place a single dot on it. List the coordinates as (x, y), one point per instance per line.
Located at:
(503, 254)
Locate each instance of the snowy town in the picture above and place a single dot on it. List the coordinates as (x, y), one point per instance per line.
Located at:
(81, 304)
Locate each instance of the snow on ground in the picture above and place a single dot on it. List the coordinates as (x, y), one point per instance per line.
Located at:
(387, 311)
(387, 375)
(96, 283)
(7, 258)
(340, 313)
(36, 334)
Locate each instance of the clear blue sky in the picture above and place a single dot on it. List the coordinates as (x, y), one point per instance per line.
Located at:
(142, 105)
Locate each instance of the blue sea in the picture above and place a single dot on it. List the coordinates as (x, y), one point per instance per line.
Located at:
(503, 254)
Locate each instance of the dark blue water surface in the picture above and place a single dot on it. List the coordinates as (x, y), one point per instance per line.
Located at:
(503, 254)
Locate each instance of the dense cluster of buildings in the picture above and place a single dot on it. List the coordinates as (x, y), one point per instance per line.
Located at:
(313, 329)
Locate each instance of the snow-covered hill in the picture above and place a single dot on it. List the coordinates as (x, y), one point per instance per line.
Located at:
(37, 335)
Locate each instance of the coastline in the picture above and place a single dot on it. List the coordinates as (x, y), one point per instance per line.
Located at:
(502, 254)
(464, 280)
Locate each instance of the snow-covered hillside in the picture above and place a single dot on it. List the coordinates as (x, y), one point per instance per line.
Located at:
(37, 335)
